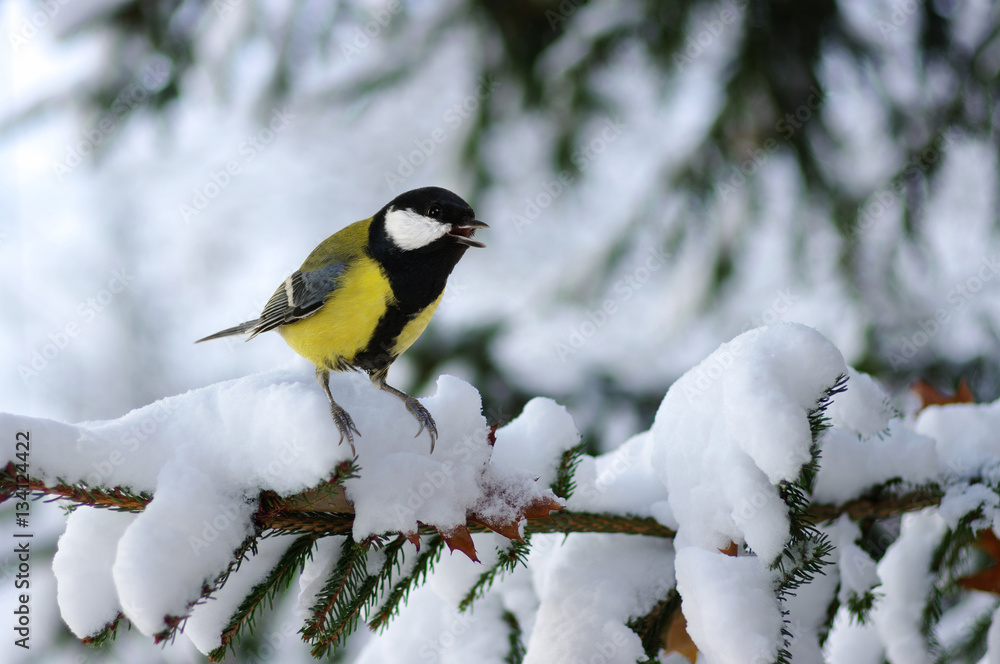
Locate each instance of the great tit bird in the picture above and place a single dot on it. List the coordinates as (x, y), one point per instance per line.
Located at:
(365, 294)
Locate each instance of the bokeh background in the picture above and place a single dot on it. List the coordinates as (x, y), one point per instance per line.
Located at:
(658, 176)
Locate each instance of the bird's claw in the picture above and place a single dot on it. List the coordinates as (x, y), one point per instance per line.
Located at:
(345, 425)
(424, 418)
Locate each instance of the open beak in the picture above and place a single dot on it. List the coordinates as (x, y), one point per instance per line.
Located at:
(463, 232)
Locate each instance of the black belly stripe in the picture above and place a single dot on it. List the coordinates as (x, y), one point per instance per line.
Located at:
(417, 279)
(378, 354)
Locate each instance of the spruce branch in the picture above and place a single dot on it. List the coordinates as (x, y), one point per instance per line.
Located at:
(393, 564)
(973, 648)
(335, 612)
(808, 550)
(349, 592)
(507, 561)
(589, 522)
(879, 503)
(861, 605)
(107, 634)
(176, 623)
(431, 554)
(117, 498)
(652, 627)
(288, 516)
(291, 563)
(947, 556)
(517, 651)
(565, 482)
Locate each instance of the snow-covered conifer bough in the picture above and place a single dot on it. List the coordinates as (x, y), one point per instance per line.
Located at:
(741, 446)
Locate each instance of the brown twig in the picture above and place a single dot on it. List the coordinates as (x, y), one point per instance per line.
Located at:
(320, 512)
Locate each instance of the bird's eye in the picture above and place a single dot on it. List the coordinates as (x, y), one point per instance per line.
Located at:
(434, 212)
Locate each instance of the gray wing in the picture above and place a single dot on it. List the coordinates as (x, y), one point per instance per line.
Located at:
(300, 296)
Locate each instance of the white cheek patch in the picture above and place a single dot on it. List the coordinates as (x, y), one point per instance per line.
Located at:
(409, 230)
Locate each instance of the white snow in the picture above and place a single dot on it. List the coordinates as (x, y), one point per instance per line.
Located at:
(588, 588)
(182, 540)
(315, 572)
(407, 484)
(864, 409)
(732, 613)
(962, 499)
(622, 481)
(966, 435)
(900, 452)
(432, 630)
(858, 572)
(906, 581)
(726, 433)
(535, 440)
(209, 618)
(993, 640)
(853, 643)
(82, 565)
(734, 426)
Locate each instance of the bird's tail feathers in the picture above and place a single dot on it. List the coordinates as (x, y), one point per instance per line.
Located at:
(242, 328)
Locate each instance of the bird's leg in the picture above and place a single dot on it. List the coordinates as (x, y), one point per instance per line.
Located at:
(340, 417)
(415, 407)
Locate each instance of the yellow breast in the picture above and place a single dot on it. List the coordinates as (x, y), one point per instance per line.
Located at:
(344, 324)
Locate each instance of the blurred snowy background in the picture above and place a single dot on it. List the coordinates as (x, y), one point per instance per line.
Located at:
(658, 178)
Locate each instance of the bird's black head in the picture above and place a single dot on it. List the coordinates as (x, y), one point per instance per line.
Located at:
(417, 239)
(430, 218)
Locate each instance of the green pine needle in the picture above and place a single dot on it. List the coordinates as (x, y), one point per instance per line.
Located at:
(514, 639)
(861, 606)
(176, 623)
(808, 550)
(507, 561)
(397, 596)
(651, 627)
(107, 634)
(291, 564)
(349, 592)
(565, 483)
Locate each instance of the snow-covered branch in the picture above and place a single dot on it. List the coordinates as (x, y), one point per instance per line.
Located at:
(752, 503)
